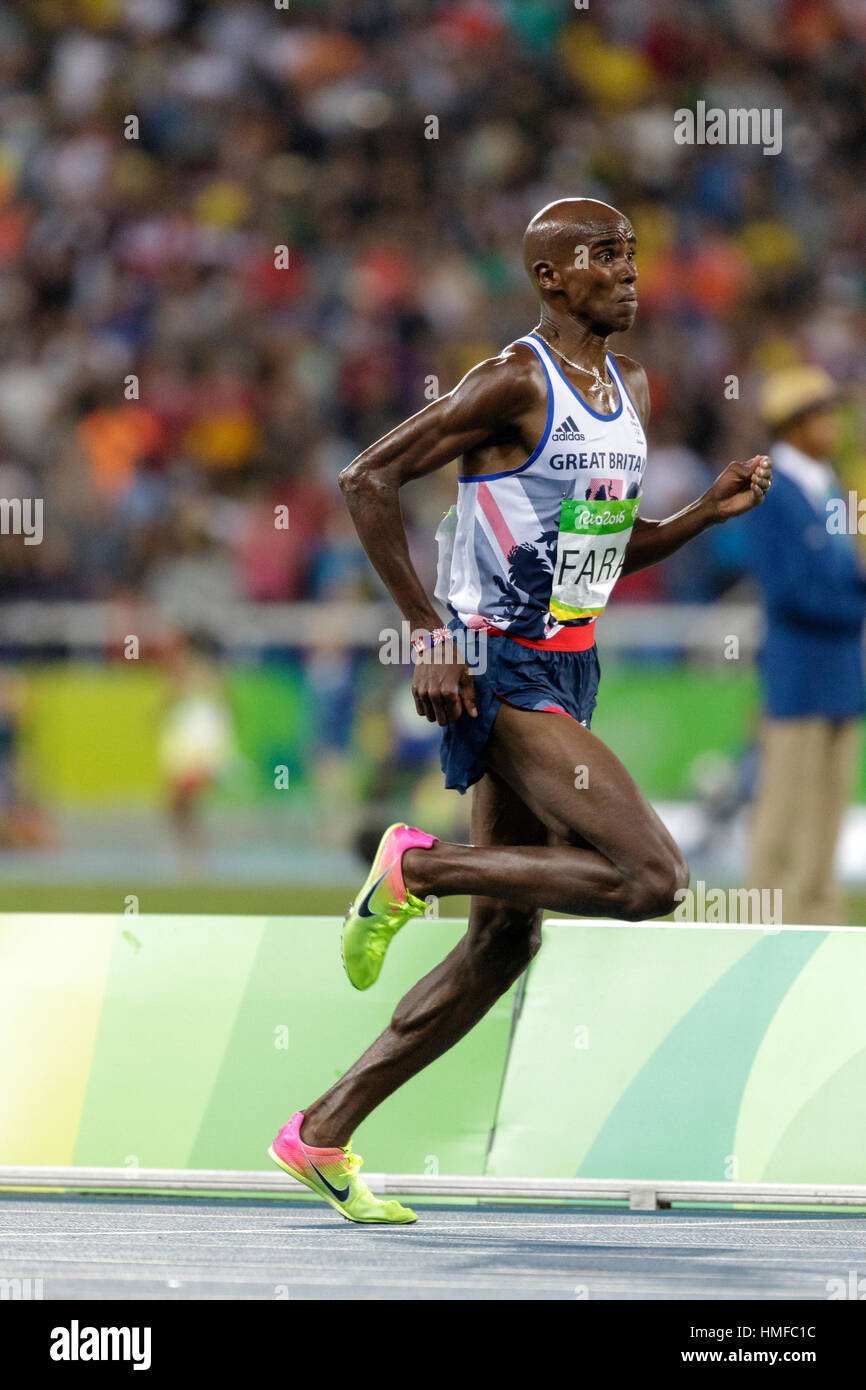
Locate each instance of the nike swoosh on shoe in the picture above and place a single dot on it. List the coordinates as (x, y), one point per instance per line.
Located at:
(362, 906)
(341, 1196)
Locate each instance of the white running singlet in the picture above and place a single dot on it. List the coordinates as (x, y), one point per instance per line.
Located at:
(540, 547)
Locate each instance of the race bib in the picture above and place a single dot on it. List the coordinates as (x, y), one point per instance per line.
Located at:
(590, 554)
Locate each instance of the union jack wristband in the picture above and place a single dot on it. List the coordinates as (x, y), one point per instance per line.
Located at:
(435, 638)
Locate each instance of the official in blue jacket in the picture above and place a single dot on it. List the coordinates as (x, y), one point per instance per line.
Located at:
(814, 595)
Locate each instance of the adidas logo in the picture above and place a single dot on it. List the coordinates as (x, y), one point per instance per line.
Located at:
(566, 430)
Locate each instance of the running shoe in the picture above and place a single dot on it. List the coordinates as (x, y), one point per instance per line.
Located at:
(382, 907)
(333, 1174)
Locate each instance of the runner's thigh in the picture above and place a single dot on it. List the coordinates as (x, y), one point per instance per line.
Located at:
(577, 787)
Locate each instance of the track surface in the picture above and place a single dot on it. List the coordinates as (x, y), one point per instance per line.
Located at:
(184, 1248)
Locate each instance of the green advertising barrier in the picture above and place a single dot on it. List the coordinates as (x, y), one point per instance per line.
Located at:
(643, 1052)
(689, 1052)
(91, 733)
(183, 1042)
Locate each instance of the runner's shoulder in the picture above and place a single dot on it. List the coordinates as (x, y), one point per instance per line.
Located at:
(507, 384)
(637, 385)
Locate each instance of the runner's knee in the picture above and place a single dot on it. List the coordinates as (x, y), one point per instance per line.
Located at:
(502, 941)
(651, 890)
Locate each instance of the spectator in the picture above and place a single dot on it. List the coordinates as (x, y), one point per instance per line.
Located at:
(815, 598)
(155, 347)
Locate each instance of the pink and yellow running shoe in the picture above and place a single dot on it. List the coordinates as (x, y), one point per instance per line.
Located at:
(382, 907)
(333, 1174)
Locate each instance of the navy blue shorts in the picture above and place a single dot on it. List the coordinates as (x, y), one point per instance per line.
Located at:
(521, 676)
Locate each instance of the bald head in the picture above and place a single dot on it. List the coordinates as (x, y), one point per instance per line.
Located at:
(558, 230)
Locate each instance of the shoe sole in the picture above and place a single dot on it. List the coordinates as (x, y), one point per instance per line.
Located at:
(325, 1196)
(332, 1201)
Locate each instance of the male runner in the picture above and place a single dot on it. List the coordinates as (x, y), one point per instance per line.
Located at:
(551, 434)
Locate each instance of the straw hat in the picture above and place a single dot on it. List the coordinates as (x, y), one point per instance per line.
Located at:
(794, 391)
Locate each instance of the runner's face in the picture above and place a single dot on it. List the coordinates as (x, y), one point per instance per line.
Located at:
(599, 283)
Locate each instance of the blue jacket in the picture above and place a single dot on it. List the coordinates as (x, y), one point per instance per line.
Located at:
(815, 600)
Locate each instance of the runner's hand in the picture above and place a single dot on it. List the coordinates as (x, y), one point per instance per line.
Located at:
(442, 686)
(740, 487)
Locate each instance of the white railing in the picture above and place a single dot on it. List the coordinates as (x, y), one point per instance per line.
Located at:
(640, 1194)
(698, 629)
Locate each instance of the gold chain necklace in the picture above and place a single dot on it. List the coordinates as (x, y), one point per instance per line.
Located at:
(589, 371)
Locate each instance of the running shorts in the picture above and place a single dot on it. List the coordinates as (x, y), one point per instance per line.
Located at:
(511, 674)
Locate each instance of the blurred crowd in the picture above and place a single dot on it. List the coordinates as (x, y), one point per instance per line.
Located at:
(169, 376)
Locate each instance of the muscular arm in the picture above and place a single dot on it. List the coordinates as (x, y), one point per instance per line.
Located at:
(485, 407)
(652, 541)
(738, 488)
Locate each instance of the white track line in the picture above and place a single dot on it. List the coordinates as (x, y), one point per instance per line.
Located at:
(710, 1222)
